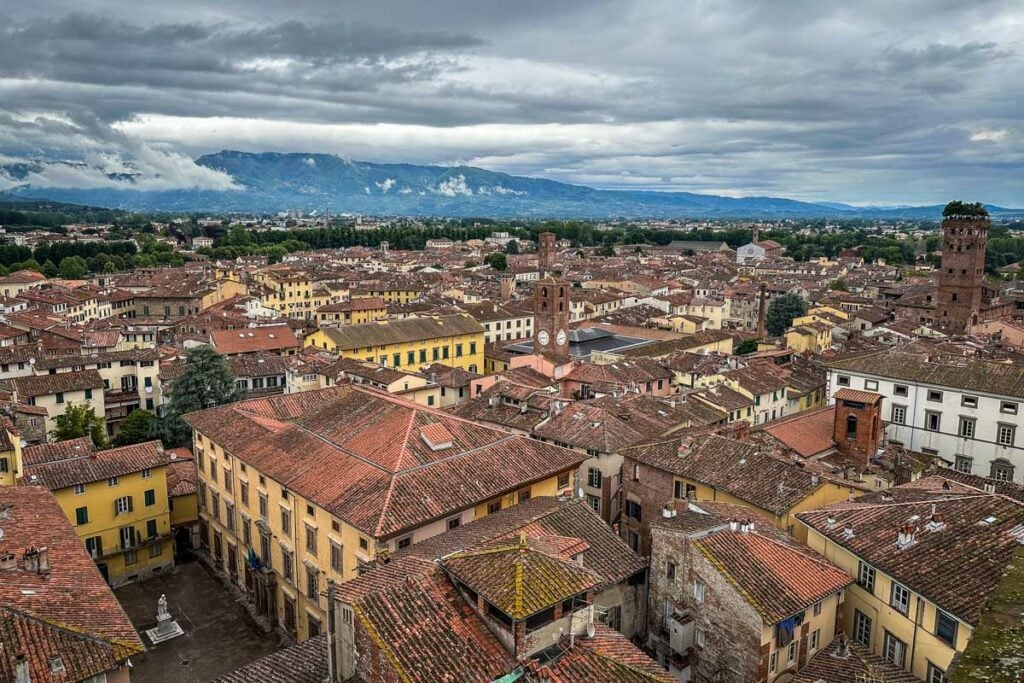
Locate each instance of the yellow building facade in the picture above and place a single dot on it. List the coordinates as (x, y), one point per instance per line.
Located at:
(409, 344)
(123, 516)
(272, 533)
(872, 599)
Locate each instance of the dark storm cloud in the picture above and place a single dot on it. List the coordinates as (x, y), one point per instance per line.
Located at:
(869, 101)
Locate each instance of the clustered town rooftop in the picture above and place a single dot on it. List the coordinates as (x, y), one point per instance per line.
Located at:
(580, 467)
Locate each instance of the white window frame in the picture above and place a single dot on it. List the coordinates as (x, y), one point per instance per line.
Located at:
(899, 598)
(699, 591)
(894, 650)
(866, 577)
(862, 628)
(1006, 434)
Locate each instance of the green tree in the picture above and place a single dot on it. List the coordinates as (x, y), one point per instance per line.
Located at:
(746, 346)
(139, 426)
(73, 268)
(512, 247)
(470, 263)
(839, 285)
(497, 260)
(205, 382)
(606, 250)
(50, 269)
(781, 312)
(78, 421)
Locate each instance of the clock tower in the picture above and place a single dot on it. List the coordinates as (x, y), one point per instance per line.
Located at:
(551, 317)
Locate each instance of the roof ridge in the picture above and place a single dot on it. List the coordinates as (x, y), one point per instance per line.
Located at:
(73, 630)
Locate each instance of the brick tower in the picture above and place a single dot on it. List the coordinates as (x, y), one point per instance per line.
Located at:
(551, 317)
(964, 239)
(857, 428)
(546, 252)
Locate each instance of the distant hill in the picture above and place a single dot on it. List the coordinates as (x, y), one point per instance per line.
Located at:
(273, 182)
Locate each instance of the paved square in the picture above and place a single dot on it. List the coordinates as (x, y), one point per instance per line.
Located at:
(220, 636)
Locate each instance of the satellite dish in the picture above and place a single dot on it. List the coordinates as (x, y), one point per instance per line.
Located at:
(579, 492)
(590, 629)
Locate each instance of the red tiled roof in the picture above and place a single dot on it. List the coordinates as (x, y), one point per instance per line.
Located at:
(70, 611)
(61, 382)
(181, 478)
(807, 433)
(856, 395)
(429, 634)
(956, 566)
(253, 339)
(67, 463)
(358, 454)
(608, 656)
(858, 665)
(520, 579)
(775, 578)
(305, 662)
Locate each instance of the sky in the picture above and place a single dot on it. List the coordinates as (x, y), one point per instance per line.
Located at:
(869, 102)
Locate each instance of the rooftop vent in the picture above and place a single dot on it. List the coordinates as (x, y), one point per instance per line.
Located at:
(848, 531)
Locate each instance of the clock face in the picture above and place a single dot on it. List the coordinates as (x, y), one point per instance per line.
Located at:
(561, 338)
(543, 337)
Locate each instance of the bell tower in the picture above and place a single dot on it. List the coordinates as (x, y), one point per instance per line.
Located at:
(551, 317)
(964, 240)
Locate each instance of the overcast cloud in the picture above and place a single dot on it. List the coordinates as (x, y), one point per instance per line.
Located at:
(914, 101)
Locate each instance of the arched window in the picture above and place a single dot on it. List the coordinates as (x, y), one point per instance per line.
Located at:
(851, 427)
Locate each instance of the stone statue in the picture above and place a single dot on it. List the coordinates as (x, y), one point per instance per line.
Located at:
(166, 626)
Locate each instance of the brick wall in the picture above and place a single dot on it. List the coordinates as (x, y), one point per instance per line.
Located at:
(653, 490)
(732, 627)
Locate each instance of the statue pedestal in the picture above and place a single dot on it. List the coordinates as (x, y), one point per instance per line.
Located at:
(166, 629)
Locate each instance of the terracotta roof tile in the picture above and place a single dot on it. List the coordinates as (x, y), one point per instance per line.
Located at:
(775, 578)
(358, 454)
(520, 579)
(955, 566)
(70, 607)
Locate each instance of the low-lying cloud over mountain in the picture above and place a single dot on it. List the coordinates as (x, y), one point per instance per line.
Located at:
(272, 182)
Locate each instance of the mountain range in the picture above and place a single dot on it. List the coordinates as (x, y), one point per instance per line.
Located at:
(271, 182)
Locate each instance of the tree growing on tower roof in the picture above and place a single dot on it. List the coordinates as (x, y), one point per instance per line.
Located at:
(959, 209)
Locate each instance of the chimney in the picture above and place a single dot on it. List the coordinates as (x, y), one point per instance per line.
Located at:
(37, 560)
(905, 536)
(762, 310)
(848, 531)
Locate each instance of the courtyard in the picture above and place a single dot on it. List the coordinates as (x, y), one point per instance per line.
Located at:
(220, 635)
